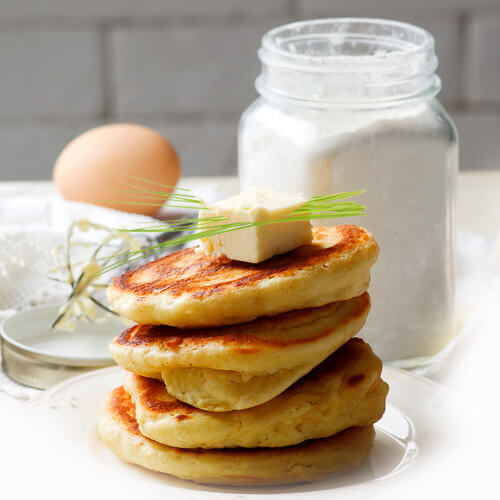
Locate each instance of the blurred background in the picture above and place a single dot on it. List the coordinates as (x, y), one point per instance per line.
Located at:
(187, 69)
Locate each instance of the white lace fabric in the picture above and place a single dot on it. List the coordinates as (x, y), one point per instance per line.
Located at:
(31, 226)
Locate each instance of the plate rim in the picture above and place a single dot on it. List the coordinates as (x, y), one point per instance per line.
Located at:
(101, 371)
(402, 376)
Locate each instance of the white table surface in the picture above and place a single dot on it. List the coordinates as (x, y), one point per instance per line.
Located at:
(478, 210)
(478, 199)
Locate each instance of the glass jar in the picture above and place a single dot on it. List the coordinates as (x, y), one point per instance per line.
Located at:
(348, 104)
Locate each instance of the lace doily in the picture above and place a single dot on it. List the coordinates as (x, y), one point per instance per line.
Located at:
(25, 261)
(30, 229)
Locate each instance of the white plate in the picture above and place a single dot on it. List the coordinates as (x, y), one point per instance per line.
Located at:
(63, 420)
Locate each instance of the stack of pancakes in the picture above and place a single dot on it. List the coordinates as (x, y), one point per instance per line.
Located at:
(243, 373)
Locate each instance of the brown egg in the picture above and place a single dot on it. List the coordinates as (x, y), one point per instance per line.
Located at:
(99, 165)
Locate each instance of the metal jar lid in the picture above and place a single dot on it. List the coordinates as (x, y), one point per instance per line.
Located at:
(38, 356)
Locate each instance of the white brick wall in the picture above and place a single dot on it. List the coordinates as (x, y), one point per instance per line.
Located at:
(187, 68)
(479, 139)
(205, 146)
(28, 151)
(482, 70)
(49, 73)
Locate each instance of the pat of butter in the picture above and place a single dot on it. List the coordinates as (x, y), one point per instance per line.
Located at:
(259, 243)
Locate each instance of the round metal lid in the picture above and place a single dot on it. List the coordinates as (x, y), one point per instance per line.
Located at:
(34, 354)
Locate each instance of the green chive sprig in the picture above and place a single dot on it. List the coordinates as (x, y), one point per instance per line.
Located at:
(330, 206)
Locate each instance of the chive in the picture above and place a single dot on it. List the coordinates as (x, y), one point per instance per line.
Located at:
(321, 207)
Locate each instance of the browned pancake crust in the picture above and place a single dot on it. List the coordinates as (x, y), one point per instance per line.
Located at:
(151, 390)
(123, 412)
(235, 336)
(195, 274)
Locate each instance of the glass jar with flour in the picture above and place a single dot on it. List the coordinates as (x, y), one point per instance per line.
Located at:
(348, 104)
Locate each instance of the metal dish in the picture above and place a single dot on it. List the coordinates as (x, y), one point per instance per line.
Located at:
(38, 356)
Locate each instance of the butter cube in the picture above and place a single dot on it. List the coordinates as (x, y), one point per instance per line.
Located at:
(259, 243)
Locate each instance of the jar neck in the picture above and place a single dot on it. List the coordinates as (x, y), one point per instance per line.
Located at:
(347, 62)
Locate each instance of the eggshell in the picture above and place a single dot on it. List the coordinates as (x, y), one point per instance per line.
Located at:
(99, 165)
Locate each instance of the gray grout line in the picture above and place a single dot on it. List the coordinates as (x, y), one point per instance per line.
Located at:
(182, 118)
(228, 20)
(463, 26)
(40, 121)
(107, 72)
(293, 9)
(233, 19)
(484, 108)
(46, 24)
(479, 108)
(177, 118)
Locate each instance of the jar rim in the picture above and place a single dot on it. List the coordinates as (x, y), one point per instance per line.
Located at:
(348, 59)
(308, 28)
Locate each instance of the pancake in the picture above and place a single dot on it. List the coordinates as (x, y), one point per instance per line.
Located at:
(343, 391)
(188, 289)
(307, 461)
(239, 366)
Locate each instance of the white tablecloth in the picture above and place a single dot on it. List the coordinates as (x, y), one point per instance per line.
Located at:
(470, 371)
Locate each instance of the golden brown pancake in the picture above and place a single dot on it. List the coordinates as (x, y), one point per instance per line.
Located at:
(343, 391)
(189, 289)
(308, 461)
(239, 366)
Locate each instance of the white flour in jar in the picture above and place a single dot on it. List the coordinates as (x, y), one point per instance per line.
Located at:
(406, 160)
